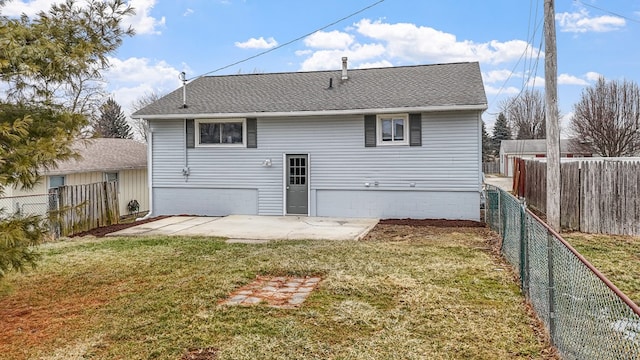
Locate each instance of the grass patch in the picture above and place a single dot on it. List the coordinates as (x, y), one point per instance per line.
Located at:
(402, 294)
(616, 256)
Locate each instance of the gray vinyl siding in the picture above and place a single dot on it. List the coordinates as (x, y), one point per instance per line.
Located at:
(446, 163)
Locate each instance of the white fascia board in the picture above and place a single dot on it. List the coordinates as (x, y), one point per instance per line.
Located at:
(479, 107)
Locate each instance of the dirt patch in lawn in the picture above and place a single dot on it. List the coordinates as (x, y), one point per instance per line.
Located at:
(30, 318)
(201, 354)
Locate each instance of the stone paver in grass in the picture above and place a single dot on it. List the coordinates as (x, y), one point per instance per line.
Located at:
(281, 291)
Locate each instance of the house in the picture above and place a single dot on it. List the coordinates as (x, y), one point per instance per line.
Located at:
(101, 159)
(390, 142)
(529, 149)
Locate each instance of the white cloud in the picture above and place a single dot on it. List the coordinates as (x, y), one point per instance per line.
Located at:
(259, 43)
(511, 90)
(138, 70)
(188, 12)
(132, 78)
(329, 40)
(566, 79)
(592, 76)
(536, 81)
(580, 22)
(142, 21)
(421, 44)
(375, 64)
(496, 76)
(331, 59)
(30, 8)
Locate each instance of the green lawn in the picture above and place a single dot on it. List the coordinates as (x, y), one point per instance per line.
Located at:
(420, 293)
(617, 257)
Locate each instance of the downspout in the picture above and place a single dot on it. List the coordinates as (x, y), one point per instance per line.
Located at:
(149, 174)
(185, 168)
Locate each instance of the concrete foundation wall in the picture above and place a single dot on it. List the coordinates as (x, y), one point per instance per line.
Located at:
(398, 204)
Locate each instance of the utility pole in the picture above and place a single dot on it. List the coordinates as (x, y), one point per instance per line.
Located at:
(551, 113)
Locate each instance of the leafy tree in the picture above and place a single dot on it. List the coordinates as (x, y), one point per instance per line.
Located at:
(486, 144)
(39, 59)
(141, 126)
(606, 119)
(112, 123)
(526, 115)
(501, 131)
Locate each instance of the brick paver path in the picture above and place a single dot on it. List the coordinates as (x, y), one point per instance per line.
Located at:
(280, 292)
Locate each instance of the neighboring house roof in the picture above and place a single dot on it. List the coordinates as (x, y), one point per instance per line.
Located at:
(405, 88)
(104, 154)
(537, 146)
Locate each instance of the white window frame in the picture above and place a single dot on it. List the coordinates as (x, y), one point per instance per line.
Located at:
(220, 121)
(405, 128)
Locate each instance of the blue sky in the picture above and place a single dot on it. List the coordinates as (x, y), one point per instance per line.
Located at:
(594, 37)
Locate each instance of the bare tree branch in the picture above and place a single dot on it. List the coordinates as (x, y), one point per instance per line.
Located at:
(525, 114)
(607, 118)
(141, 126)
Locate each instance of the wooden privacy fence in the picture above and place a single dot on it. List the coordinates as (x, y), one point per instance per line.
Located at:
(491, 167)
(86, 207)
(595, 196)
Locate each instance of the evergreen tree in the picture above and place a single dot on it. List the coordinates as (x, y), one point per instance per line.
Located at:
(486, 145)
(112, 122)
(501, 131)
(38, 57)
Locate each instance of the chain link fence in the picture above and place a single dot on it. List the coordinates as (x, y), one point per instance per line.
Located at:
(586, 315)
(43, 205)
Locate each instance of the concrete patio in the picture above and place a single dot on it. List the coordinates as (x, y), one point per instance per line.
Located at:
(250, 228)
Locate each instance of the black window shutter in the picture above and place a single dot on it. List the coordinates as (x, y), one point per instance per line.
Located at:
(370, 131)
(415, 130)
(252, 132)
(191, 133)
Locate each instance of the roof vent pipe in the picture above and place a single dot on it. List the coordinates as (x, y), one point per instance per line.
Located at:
(344, 68)
(183, 77)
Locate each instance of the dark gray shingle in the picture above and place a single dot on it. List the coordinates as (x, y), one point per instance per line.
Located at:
(393, 87)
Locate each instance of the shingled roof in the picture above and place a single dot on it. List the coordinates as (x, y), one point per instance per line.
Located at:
(106, 155)
(445, 86)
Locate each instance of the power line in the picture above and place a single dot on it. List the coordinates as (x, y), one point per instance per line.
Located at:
(608, 12)
(290, 41)
(526, 54)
